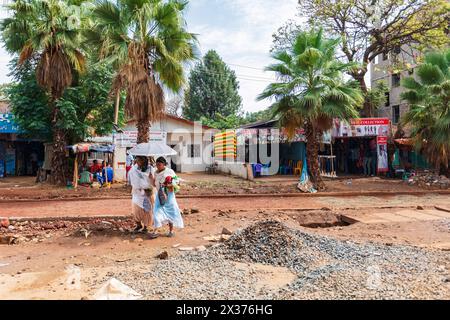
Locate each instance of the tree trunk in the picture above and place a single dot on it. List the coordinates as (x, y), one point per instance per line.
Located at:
(59, 161)
(312, 156)
(116, 108)
(367, 110)
(143, 134)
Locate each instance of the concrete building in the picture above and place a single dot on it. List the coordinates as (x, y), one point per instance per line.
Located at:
(390, 68)
(192, 141)
(20, 155)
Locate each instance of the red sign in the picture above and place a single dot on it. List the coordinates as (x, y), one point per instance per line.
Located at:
(369, 121)
(382, 140)
(382, 154)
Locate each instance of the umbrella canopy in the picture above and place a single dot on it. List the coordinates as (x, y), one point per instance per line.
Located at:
(154, 148)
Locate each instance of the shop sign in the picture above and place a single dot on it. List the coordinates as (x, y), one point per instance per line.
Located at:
(7, 123)
(129, 138)
(364, 127)
(382, 154)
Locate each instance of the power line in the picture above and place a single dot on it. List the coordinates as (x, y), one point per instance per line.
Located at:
(239, 65)
(242, 76)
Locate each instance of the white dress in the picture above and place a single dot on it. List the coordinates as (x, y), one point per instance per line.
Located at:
(139, 181)
(169, 212)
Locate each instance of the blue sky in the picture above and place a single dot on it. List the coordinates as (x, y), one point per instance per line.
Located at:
(239, 30)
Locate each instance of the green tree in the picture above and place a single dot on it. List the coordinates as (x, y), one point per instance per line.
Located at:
(149, 44)
(213, 90)
(429, 113)
(85, 107)
(369, 28)
(263, 115)
(45, 31)
(311, 91)
(221, 122)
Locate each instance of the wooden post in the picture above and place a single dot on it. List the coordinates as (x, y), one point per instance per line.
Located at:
(333, 174)
(116, 108)
(75, 172)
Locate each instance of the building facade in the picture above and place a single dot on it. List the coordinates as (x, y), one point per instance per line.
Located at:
(192, 141)
(390, 68)
(19, 155)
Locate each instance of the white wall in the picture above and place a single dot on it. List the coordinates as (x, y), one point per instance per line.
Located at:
(237, 169)
(182, 134)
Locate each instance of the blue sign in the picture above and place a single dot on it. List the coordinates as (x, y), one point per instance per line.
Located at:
(7, 123)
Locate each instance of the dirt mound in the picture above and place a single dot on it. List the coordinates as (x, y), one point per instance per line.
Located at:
(269, 242)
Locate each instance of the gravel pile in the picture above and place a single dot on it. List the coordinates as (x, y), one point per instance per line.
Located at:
(271, 242)
(266, 242)
(325, 268)
(196, 275)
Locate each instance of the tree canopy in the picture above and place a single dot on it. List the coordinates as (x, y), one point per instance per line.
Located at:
(368, 28)
(213, 90)
(148, 42)
(85, 107)
(429, 114)
(311, 90)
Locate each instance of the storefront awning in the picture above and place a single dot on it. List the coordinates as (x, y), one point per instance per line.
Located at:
(87, 147)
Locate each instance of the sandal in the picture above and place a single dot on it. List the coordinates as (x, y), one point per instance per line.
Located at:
(170, 234)
(152, 235)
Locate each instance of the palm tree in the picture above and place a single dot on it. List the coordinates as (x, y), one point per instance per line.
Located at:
(311, 91)
(42, 30)
(429, 113)
(148, 42)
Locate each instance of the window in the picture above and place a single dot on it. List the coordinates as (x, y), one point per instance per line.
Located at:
(388, 98)
(395, 114)
(395, 80)
(193, 150)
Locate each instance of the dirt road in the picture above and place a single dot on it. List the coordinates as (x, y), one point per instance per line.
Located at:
(122, 207)
(39, 269)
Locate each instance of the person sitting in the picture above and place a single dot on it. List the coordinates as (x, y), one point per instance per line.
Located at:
(85, 177)
(95, 168)
(107, 175)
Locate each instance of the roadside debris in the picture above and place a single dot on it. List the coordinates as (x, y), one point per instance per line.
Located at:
(113, 289)
(217, 238)
(429, 179)
(8, 239)
(186, 248)
(226, 231)
(163, 255)
(4, 222)
(190, 211)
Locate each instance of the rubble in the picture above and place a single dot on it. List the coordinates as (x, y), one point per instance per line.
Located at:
(4, 223)
(429, 180)
(116, 290)
(163, 255)
(226, 231)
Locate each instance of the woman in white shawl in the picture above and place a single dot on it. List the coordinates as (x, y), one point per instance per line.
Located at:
(140, 178)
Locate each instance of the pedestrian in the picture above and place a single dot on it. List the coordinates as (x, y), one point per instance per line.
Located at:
(166, 207)
(141, 178)
(373, 156)
(367, 160)
(129, 163)
(34, 163)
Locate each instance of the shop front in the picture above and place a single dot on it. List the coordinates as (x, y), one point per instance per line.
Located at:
(19, 155)
(360, 146)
